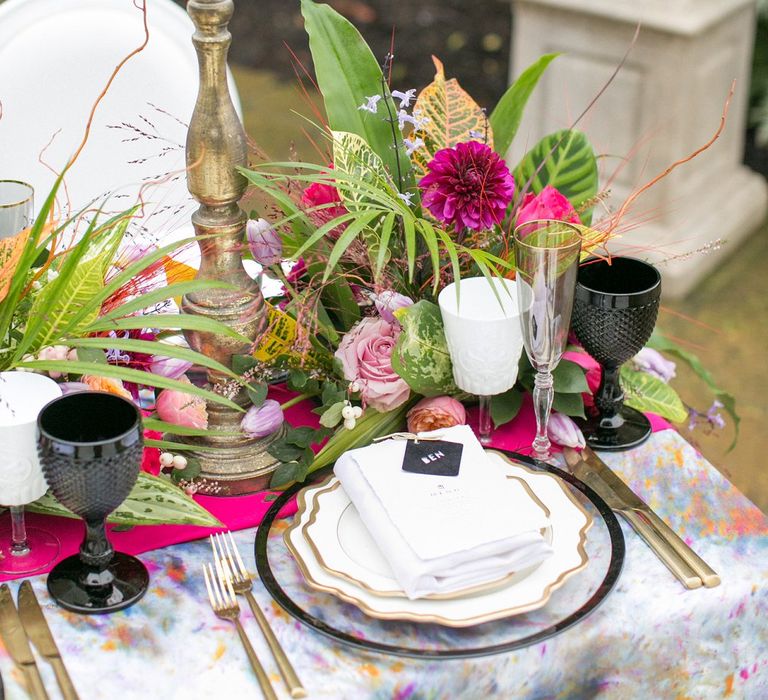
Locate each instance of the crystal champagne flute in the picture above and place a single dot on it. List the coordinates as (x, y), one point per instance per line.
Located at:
(547, 260)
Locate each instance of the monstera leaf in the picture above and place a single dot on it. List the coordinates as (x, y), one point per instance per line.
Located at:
(564, 160)
(453, 117)
(421, 354)
(645, 392)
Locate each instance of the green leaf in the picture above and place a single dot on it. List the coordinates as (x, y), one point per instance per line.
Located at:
(347, 75)
(152, 501)
(570, 404)
(564, 160)
(331, 417)
(645, 392)
(570, 378)
(169, 321)
(504, 407)
(664, 344)
(372, 425)
(243, 363)
(352, 156)
(85, 354)
(288, 473)
(421, 354)
(285, 452)
(304, 436)
(506, 116)
(257, 393)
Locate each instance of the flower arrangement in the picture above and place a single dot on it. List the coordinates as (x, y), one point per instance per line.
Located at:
(414, 193)
(82, 306)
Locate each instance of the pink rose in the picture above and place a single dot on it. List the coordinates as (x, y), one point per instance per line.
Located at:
(323, 203)
(365, 353)
(437, 412)
(548, 204)
(180, 408)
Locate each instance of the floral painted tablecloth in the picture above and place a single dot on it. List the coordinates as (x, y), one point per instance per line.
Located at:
(650, 639)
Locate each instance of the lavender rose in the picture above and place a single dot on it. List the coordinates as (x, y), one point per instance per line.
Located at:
(388, 302)
(365, 353)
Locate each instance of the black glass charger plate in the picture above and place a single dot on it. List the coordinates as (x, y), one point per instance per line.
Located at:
(345, 623)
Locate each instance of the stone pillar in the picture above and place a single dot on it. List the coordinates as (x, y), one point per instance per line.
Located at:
(665, 103)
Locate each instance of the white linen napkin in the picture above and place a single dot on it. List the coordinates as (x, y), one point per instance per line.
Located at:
(442, 534)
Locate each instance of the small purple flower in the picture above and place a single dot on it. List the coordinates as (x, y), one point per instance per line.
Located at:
(263, 420)
(562, 430)
(371, 105)
(653, 362)
(170, 367)
(468, 186)
(404, 97)
(73, 387)
(388, 302)
(264, 242)
(714, 417)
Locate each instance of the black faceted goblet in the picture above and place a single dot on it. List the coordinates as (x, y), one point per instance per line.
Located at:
(614, 313)
(90, 450)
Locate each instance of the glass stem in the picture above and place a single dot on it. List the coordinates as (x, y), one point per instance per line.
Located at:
(543, 394)
(19, 546)
(484, 427)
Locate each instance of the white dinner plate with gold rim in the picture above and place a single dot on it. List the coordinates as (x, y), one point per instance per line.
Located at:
(368, 584)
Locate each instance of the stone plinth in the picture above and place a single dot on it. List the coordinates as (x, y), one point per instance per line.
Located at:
(664, 104)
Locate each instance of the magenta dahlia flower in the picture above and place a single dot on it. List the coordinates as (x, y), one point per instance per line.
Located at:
(468, 186)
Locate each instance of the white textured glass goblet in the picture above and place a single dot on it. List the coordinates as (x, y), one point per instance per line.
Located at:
(547, 260)
(22, 396)
(484, 336)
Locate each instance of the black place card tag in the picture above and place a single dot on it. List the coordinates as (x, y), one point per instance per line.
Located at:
(434, 457)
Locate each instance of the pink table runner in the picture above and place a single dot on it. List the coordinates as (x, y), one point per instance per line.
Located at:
(240, 512)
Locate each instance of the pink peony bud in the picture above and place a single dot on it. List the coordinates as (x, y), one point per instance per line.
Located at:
(181, 408)
(653, 362)
(563, 431)
(264, 242)
(388, 302)
(437, 412)
(550, 203)
(263, 420)
(170, 367)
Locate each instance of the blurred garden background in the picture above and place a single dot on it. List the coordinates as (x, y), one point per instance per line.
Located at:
(724, 320)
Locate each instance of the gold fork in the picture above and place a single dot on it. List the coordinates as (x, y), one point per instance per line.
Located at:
(241, 582)
(224, 604)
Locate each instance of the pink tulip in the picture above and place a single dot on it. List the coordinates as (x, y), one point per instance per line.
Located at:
(170, 367)
(73, 387)
(263, 420)
(437, 412)
(563, 431)
(388, 302)
(653, 362)
(180, 408)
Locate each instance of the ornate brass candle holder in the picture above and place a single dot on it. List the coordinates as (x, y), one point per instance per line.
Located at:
(216, 144)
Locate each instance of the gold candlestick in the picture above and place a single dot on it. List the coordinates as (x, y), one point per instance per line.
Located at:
(215, 146)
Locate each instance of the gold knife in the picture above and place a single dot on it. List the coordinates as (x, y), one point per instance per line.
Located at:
(688, 566)
(17, 644)
(38, 631)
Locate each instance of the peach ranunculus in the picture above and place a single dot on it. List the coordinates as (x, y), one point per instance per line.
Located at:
(365, 353)
(435, 413)
(180, 408)
(108, 384)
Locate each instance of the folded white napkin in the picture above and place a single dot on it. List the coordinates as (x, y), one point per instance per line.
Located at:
(442, 534)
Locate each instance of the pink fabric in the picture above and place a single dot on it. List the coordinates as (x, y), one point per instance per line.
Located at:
(240, 512)
(518, 434)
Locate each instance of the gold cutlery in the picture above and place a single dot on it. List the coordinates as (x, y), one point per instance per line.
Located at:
(242, 585)
(682, 561)
(36, 627)
(224, 604)
(16, 643)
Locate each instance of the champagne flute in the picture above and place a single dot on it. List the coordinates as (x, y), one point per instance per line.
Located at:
(22, 396)
(16, 212)
(547, 260)
(482, 329)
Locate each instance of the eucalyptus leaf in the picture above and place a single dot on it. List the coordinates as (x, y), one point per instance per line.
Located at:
(288, 473)
(331, 417)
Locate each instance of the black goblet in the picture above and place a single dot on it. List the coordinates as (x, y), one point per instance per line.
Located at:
(614, 313)
(90, 450)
